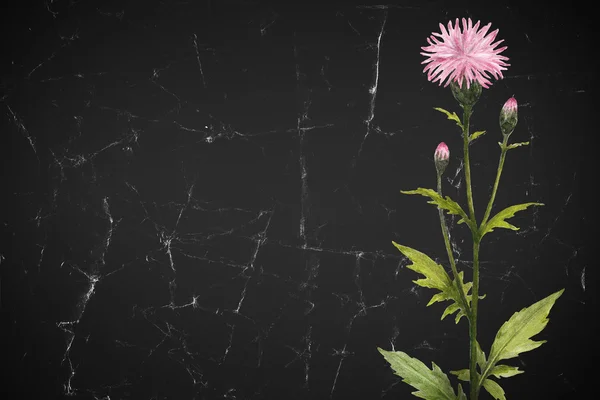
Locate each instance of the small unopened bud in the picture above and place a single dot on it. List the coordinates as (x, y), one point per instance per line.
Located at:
(441, 157)
(466, 96)
(509, 116)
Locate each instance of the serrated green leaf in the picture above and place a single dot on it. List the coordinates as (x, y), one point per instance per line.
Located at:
(451, 309)
(514, 336)
(436, 277)
(494, 389)
(460, 314)
(475, 135)
(432, 384)
(453, 294)
(447, 204)
(499, 371)
(498, 220)
(462, 374)
(505, 371)
(481, 361)
(515, 145)
(451, 116)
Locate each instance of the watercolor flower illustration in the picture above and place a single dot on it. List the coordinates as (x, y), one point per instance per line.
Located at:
(466, 59)
(470, 54)
(441, 157)
(509, 116)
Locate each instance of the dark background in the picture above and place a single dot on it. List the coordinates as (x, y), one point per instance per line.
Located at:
(199, 198)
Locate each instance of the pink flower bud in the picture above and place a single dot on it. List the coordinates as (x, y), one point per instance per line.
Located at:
(509, 116)
(441, 157)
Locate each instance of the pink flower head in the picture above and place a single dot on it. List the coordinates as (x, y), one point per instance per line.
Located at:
(441, 157)
(509, 116)
(442, 153)
(510, 107)
(469, 55)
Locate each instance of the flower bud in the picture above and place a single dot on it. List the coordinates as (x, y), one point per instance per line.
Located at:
(508, 116)
(441, 157)
(466, 96)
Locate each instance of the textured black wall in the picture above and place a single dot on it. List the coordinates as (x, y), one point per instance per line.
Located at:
(200, 197)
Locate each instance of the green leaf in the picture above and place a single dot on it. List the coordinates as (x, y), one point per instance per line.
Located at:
(514, 336)
(481, 361)
(452, 116)
(436, 277)
(447, 204)
(432, 384)
(498, 220)
(505, 371)
(475, 135)
(455, 296)
(515, 145)
(462, 374)
(494, 389)
(451, 309)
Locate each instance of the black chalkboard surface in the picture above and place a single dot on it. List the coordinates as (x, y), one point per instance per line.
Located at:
(202, 199)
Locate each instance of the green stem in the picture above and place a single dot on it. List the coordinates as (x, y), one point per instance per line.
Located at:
(465, 304)
(475, 233)
(475, 384)
(473, 321)
(495, 189)
(467, 165)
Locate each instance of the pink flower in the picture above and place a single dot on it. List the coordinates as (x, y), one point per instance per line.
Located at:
(509, 116)
(469, 55)
(510, 107)
(441, 157)
(442, 153)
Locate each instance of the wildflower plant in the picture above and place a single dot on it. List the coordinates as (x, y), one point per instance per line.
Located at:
(466, 59)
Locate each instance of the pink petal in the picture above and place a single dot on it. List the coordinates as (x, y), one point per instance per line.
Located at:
(468, 54)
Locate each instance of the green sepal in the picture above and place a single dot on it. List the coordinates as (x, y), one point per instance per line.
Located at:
(447, 204)
(498, 220)
(451, 116)
(466, 97)
(431, 384)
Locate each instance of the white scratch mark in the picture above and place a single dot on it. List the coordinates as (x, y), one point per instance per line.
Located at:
(198, 59)
(373, 89)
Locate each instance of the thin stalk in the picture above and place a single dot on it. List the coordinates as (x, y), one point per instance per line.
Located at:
(473, 322)
(465, 124)
(495, 189)
(465, 304)
(475, 386)
(476, 240)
